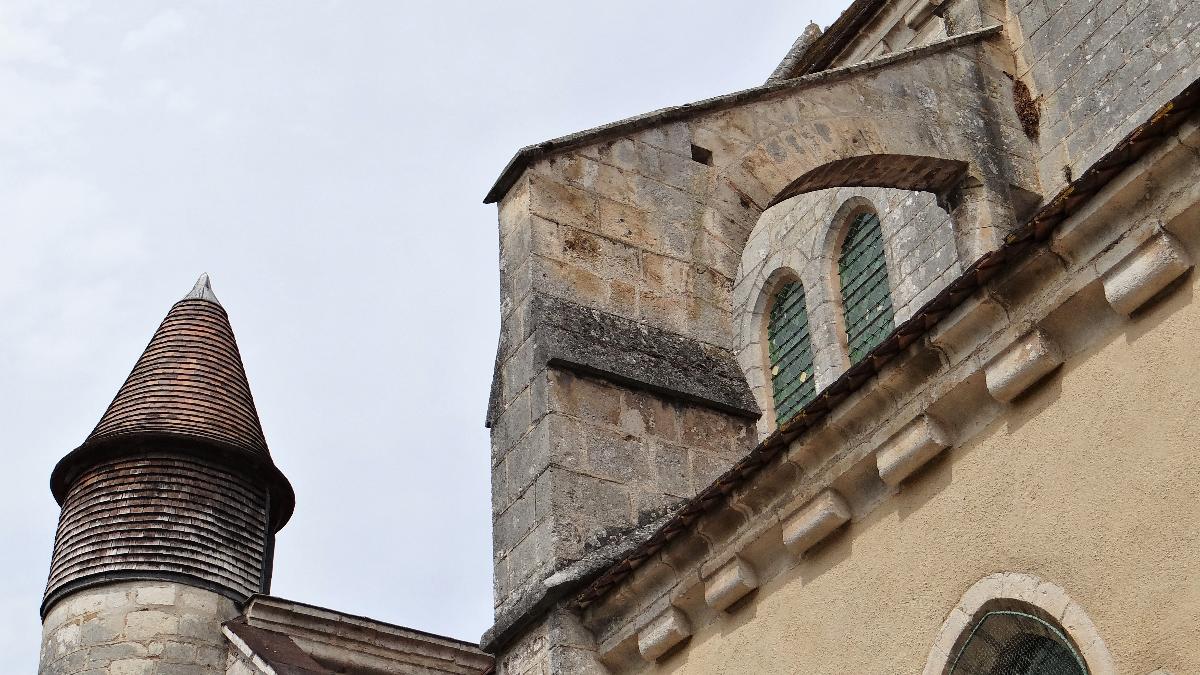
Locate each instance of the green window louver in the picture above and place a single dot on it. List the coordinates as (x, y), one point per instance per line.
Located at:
(866, 290)
(790, 349)
(1016, 643)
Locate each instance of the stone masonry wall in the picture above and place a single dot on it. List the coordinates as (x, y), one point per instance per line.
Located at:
(595, 462)
(649, 227)
(137, 628)
(799, 237)
(1098, 69)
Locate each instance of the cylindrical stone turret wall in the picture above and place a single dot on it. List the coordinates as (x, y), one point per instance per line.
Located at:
(137, 627)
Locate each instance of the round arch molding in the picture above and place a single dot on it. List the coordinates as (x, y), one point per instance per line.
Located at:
(1014, 590)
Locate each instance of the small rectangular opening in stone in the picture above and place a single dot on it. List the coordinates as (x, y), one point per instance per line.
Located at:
(702, 155)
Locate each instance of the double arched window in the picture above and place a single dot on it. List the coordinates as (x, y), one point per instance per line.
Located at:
(1016, 643)
(790, 350)
(866, 289)
(866, 308)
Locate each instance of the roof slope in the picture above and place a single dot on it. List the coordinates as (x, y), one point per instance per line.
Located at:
(190, 381)
(189, 385)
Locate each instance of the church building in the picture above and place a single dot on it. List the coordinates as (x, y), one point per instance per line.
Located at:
(887, 365)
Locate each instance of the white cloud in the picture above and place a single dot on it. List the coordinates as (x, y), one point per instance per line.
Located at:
(21, 45)
(158, 30)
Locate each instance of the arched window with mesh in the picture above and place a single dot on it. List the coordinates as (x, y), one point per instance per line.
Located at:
(866, 289)
(790, 350)
(1016, 643)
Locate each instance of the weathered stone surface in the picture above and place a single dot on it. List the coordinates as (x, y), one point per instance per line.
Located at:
(1022, 365)
(814, 521)
(626, 352)
(663, 633)
(137, 627)
(918, 442)
(1144, 272)
(730, 583)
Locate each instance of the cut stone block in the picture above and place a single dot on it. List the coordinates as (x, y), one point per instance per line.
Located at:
(918, 442)
(663, 633)
(1144, 272)
(1023, 364)
(730, 583)
(816, 520)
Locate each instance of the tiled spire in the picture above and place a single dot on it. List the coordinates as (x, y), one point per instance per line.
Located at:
(188, 385)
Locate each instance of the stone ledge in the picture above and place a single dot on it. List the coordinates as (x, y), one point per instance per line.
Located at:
(593, 342)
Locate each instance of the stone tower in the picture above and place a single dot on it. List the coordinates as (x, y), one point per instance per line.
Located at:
(169, 510)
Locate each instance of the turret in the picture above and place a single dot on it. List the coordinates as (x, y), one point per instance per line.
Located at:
(169, 508)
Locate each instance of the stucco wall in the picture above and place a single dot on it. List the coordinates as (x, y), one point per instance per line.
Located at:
(1092, 483)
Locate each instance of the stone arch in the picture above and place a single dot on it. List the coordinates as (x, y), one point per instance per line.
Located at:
(843, 220)
(904, 172)
(803, 233)
(759, 323)
(1013, 590)
(835, 229)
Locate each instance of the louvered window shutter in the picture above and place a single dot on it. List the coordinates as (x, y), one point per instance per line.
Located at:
(791, 352)
(866, 291)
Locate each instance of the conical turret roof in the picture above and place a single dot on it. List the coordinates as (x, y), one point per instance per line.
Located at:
(189, 385)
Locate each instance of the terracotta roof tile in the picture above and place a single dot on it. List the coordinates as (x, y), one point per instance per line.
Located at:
(188, 385)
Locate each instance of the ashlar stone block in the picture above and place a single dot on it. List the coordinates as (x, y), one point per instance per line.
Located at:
(1021, 365)
(730, 583)
(663, 633)
(816, 520)
(1145, 272)
(910, 448)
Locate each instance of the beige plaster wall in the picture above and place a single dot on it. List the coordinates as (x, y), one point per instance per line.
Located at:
(1092, 483)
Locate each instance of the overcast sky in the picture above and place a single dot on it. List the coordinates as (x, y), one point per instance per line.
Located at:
(325, 162)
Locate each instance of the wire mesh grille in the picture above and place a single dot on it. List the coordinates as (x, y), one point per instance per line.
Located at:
(1015, 643)
(866, 290)
(790, 348)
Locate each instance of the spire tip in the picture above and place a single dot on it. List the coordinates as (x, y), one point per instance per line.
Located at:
(203, 290)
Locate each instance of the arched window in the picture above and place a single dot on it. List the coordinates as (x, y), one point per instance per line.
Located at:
(1005, 642)
(866, 290)
(790, 350)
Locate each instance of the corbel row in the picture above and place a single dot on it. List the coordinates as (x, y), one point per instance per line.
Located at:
(1128, 284)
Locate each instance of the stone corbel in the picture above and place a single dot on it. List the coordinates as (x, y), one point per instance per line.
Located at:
(920, 13)
(910, 448)
(814, 521)
(1021, 365)
(663, 633)
(1147, 270)
(730, 583)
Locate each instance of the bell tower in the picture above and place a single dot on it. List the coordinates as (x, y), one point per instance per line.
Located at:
(169, 509)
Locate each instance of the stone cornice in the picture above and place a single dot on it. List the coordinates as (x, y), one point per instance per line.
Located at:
(590, 341)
